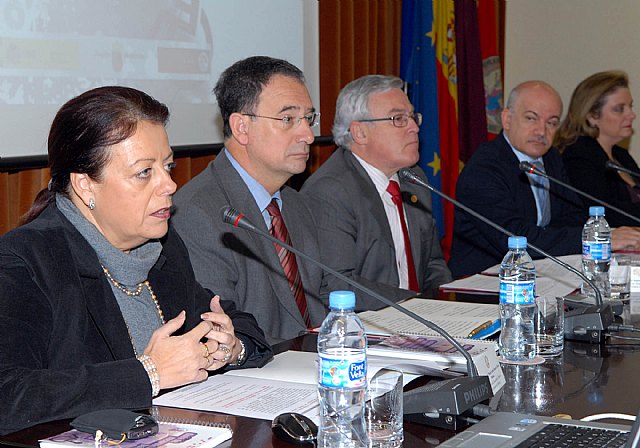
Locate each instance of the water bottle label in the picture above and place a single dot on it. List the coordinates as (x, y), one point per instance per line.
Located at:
(596, 251)
(517, 293)
(336, 371)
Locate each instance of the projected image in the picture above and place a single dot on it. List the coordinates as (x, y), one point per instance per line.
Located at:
(175, 50)
(52, 50)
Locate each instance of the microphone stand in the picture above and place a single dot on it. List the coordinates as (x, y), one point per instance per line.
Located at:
(616, 167)
(585, 323)
(528, 167)
(441, 404)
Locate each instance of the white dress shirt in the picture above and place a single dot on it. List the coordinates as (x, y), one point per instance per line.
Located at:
(381, 181)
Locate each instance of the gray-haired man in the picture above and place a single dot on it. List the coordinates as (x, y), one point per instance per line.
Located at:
(375, 228)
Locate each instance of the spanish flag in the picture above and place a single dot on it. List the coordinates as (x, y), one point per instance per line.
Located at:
(447, 80)
(453, 106)
(428, 65)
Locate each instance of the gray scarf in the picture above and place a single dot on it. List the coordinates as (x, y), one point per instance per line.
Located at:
(129, 269)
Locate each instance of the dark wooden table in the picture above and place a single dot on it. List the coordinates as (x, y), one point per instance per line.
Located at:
(586, 379)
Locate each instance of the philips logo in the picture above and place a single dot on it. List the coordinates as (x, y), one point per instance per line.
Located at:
(476, 394)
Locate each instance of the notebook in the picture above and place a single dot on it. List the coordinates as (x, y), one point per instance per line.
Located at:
(173, 433)
(459, 319)
(504, 429)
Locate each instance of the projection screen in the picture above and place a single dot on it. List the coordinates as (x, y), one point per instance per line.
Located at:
(53, 50)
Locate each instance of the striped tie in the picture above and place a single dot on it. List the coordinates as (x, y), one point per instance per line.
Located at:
(288, 260)
(396, 196)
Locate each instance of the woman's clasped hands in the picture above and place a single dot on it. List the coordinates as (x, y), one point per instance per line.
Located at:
(187, 358)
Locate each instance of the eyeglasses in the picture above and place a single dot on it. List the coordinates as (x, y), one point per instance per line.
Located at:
(289, 122)
(400, 120)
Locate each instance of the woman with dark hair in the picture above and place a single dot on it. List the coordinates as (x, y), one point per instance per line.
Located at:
(99, 307)
(601, 115)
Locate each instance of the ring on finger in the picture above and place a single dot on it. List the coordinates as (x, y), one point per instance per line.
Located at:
(227, 352)
(206, 353)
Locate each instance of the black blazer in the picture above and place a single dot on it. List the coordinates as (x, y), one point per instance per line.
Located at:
(492, 184)
(64, 346)
(585, 163)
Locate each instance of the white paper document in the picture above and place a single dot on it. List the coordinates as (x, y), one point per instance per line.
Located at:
(548, 268)
(475, 283)
(287, 384)
(291, 366)
(438, 354)
(551, 278)
(302, 367)
(245, 396)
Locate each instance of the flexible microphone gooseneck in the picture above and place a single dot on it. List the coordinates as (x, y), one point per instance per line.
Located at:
(237, 219)
(611, 165)
(528, 167)
(586, 323)
(435, 402)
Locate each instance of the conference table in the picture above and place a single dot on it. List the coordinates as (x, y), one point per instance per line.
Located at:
(585, 379)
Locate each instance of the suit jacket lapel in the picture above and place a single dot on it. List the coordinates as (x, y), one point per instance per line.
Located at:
(521, 181)
(297, 233)
(371, 197)
(241, 198)
(104, 311)
(100, 302)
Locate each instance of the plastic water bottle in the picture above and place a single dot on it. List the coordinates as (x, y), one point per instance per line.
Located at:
(342, 376)
(596, 252)
(517, 340)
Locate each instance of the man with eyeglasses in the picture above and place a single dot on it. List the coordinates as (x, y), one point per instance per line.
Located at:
(549, 215)
(267, 117)
(375, 228)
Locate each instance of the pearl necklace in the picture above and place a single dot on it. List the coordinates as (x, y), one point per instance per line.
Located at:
(136, 292)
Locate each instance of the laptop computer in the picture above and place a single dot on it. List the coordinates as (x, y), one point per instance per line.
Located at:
(504, 429)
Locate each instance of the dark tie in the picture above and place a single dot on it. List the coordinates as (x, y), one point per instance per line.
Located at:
(288, 260)
(394, 189)
(541, 193)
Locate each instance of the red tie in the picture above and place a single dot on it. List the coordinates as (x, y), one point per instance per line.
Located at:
(394, 189)
(288, 260)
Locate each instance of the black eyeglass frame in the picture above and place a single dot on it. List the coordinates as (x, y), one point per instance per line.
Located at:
(289, 122)
(396, 119)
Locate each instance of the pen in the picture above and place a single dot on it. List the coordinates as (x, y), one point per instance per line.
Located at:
(478, 329)
(491, 329)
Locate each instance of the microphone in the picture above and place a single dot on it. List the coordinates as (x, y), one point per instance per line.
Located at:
(585, 323)
(611, 165)
(441, 404)
(530, 168)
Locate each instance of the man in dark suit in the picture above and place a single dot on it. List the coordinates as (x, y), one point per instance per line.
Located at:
(267, 116)
(550, 216)
(376, 130)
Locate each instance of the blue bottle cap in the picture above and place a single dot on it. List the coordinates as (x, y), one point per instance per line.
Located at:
(596, 211)
(517, 242)
(342, 300)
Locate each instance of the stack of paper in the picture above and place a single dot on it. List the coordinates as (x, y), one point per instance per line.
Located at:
(438, 353)
(286, 384)
(289, 382)
(551, 278)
